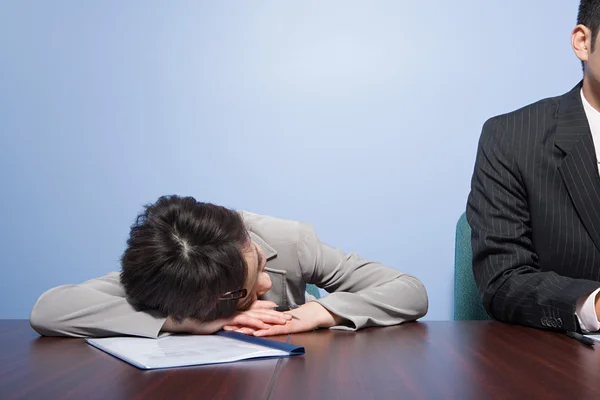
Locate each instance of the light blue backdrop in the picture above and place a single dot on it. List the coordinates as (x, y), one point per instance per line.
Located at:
(359, 117)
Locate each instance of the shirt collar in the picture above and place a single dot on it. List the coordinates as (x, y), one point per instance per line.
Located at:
(592, 114)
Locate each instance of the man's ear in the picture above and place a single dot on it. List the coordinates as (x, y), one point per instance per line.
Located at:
(581, 41)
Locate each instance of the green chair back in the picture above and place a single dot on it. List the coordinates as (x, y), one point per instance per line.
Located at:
(313, 290)
(467, 301)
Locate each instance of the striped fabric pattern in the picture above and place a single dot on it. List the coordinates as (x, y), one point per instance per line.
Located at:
(534, 210)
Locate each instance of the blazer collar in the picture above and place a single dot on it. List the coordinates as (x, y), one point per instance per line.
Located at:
(266, 248)
(572, 124)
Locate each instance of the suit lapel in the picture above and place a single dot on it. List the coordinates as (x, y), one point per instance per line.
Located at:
(579, 168)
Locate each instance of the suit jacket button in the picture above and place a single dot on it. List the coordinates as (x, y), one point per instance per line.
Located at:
(544, 321)
(559, 322)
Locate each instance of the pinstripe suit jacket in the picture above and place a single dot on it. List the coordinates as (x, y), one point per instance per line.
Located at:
(534, 210)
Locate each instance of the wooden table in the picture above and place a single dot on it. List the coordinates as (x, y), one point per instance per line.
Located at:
(432, 360)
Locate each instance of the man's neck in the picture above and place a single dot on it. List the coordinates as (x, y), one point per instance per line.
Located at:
(591, 93)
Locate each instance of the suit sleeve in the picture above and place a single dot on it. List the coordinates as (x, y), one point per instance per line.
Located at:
(505, 265)
(364, 293)
(94, 308)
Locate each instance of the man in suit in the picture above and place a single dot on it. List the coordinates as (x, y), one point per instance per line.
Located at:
(534, 206)
(197, 268)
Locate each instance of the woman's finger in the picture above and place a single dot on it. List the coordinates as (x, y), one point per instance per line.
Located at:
(262, 304)
(246, 331)
(269, 317)
(249, 321)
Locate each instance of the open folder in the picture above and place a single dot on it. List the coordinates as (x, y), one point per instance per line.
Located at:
(186, 350)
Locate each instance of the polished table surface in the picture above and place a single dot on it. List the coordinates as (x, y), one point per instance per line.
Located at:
(425, 360)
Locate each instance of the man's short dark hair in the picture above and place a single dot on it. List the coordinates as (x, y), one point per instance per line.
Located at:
(589, 15)
(182, 255)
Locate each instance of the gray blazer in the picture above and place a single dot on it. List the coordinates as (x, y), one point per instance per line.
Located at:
(363, 292)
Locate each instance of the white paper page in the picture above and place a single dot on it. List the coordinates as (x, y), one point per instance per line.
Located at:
(177, 351)
(595, 336)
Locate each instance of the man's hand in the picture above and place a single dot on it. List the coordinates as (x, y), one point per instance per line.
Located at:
(258, 316)
(308, 317)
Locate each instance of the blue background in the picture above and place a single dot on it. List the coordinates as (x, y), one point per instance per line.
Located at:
(359, 117)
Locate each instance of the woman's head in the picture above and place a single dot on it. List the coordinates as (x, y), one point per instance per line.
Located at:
(186, 259)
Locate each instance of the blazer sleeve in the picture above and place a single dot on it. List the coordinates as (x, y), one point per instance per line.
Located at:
(505, 264)
(364, 293)
(94, 308)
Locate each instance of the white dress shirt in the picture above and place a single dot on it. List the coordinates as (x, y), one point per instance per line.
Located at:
(586, 309)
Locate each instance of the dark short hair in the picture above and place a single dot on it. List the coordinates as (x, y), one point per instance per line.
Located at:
(182, 255)
(589, 16)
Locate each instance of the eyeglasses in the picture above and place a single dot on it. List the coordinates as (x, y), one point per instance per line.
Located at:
(234, 295)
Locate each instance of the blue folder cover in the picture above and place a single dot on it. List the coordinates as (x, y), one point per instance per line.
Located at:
(293, 349)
